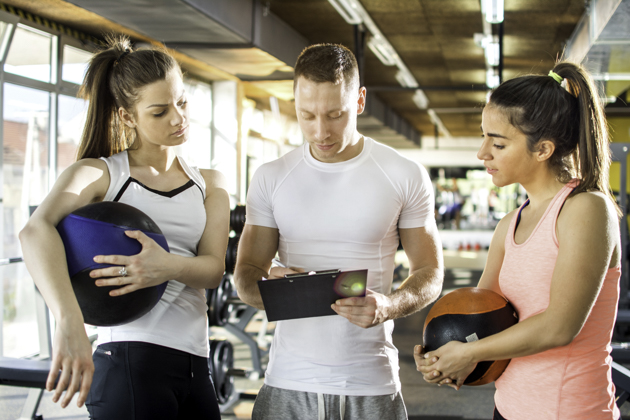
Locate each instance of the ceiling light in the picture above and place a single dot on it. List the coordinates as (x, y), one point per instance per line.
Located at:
(348, 10)
(480, 39)
(438, 122)
(405, 78)
(354, 13)
(611, 76)
(492, 10)
(382, 50)
(492, 53)
(420, 99)
(490, 44)
(492, 78)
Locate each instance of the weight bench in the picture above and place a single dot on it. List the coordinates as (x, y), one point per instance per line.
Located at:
(30, 373)
(27, 373)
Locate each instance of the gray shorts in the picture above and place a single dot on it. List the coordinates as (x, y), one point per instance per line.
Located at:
(285, 404)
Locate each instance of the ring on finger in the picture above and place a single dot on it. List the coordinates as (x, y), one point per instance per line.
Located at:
(123, 271)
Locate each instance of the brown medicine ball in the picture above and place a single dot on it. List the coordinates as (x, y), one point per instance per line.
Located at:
(470, 314)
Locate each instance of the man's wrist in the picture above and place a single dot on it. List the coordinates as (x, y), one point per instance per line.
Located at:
(386, 309)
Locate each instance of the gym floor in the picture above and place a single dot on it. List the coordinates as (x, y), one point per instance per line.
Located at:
(423, 401)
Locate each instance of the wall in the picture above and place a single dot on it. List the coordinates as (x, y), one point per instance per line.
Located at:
(619, 133)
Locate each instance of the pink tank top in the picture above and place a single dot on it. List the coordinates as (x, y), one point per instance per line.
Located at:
(569, 382)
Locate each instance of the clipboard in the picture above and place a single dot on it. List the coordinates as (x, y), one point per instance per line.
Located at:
(305, 295)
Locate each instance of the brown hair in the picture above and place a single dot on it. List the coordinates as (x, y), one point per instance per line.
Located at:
(572, 118)
(113, 80)
(332, 63)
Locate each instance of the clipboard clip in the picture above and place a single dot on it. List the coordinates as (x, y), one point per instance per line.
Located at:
(312, 273)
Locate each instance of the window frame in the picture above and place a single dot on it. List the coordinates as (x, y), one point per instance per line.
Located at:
(59, 87)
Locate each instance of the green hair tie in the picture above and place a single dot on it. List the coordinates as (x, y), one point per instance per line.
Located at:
(555, 76)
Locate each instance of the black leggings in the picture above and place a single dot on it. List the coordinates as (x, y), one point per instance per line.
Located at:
(497, 415)
(142, 381)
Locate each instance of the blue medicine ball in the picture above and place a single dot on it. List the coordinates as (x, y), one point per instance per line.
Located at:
(99, 229)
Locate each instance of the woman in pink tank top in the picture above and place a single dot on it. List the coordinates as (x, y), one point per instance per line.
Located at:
(556, 259)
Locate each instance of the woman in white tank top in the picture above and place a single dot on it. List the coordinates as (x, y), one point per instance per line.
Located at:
(154, 367)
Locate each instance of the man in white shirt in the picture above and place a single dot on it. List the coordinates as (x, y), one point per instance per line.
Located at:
(340, 201)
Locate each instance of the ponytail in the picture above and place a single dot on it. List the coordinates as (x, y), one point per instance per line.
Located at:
(563, 107)
(113, 80)
(592, 155)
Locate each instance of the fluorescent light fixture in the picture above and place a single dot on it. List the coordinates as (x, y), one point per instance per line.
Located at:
(492, 10)
(492, 53)
(348, 10)
(382, 50)
(405, 78)
(490, 44)
(437, 121)
(433, 116)
(354, 14)
(420, 99)
(611, 76)
(492, 78)
(480, 39)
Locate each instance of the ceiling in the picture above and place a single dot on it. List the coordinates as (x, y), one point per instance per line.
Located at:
(435, 40)
(258, 42)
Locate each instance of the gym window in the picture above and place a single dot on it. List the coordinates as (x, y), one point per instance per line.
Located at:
(32, 54)
(42, 123)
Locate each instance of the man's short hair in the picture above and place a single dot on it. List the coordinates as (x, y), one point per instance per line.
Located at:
(332, 63)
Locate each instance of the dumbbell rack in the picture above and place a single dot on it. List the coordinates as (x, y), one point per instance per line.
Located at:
(226, 310)
(234, 316)
(238, 329)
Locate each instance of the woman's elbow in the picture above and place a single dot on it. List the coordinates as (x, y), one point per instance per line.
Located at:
(217, 276)
(559, 341)
(28, 233)
(562, 336)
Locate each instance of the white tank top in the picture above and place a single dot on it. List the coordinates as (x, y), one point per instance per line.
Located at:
(179, 320)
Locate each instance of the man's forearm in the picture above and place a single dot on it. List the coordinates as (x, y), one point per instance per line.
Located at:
(416, 292)
(246, 278)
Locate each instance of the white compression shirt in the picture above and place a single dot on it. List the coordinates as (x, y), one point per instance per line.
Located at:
(179, 319)
(339, 215)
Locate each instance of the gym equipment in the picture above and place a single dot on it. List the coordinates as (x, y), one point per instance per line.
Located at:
(621, 379)
(237, 219)
(24, 372)
(470, 314)
(221, 362)
(31, 373)
(258, 347)
(226, 310)
(230, 254)
(220, 302)
(99, 229)
(237, 222)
